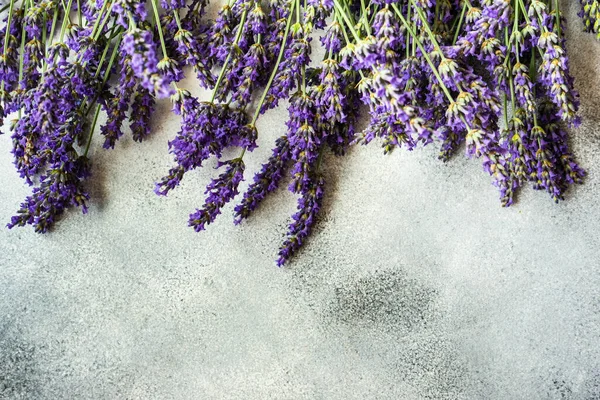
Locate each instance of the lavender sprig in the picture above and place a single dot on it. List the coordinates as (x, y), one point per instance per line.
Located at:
(220, 191)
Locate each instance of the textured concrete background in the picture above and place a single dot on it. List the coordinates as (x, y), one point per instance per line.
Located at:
(415, 285)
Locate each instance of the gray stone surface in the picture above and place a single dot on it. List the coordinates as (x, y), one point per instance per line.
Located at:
(415, 285)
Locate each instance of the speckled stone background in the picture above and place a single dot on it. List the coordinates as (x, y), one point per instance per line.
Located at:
(415, 285)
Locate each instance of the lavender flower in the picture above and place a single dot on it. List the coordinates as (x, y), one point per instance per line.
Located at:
(590, 13)
(480, 39)
(332, 40)
(32, 61)
(9, 65)
(524, 87)
(60, 188)
(220, 191)
(267, 180)
(254, 63)
(257, 20)
(124, 10)
(206, 129)
(303, 138)
(172, 4)
(554, 70)
(141, 111)
(308, 207)
(117, 107)
(139, 45)
(44, 141)
(296, 56)
(554, 75)
(190, 50)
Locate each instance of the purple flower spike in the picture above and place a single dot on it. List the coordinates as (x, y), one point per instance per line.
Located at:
(206, 129)
(60, 188)
(308, 207)
(141, 111)
(220, 191)
(140, 46)
(265, 181)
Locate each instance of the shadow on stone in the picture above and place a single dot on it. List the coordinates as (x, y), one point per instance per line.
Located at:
(18, 369)
(389, 298)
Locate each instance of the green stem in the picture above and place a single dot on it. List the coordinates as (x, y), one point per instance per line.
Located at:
(275, 68)
(104, 80)
(521, 4)
(67, 9)
(516, 29)
(112, 60)
(343, 25)
(460, 22)
(52, 29)
(107, 72)
(21, 52)
(48, 41)
(177, 19)
(532, 69)
(22, 46)
(8, 24)
(557, 11)
(414, 46)
(425, 25)
(510, 74)
(303, 68)
(345, 33)
(132, 24)
(159, 27)
(273, 73)
(320, 158)
(6, 37)
(408, 17)
(347, 20)
(45, 25)
(104, 54)
(89, 142)
(349, 14)
(540, 23)
(98, 32)
(512, 95)
(506, 110)
(228, 59)
(425, 54)
(373, 14)
(97, 21)
(65, 22)
(363, 17)
(428, 59)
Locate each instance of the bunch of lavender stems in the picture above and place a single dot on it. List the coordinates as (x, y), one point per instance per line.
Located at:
(492, 74)
(65, 62)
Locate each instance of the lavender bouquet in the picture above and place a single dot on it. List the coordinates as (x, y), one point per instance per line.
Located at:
(492, 74)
